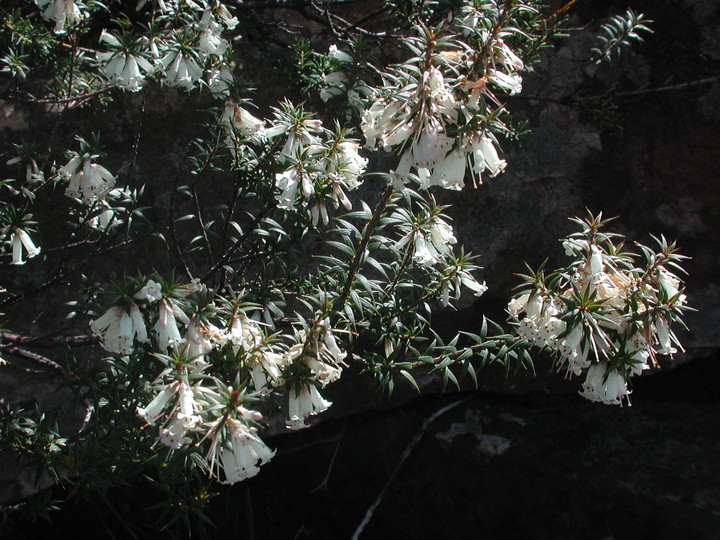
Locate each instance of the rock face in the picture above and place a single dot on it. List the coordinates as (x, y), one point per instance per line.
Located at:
(540, 466)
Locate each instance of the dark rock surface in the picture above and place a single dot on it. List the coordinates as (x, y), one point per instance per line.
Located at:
(476, 465)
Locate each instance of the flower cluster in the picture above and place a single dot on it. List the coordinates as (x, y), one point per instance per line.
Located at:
(602, 314)
(441, 115)
(315, 362)
(63, 12)
(199, 339)
(321, 165)
(338, 83)
(86, 180)
(431, 241)
(178, 56)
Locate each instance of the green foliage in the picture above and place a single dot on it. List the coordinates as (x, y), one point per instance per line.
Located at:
(619, 33)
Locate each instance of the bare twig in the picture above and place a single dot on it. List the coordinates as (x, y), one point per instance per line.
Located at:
(46, 342)
(405, 455)
(60, 101)
(173, 195)
(670, 87)
(324, 483)
(33, 357)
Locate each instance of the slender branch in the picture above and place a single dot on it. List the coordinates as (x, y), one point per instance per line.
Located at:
(670, 87)
(403, 458)
(201, 221)
(229, 253)
(360, 253)
(46, 342)
(173, 195)
(33, 357)
(61, 101)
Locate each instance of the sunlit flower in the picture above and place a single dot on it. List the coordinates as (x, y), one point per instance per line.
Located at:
(166, 328)
(305, 400)
(602, 385)
(150, 292)
(118, 329)
(63, 12)
(19, 240)
(87, 180)
(180, 69)
(125, 70)
(241, 455)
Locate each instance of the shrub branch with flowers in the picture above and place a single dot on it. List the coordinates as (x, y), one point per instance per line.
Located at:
(312, 254)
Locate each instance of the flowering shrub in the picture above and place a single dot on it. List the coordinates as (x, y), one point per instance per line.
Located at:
(317, 256)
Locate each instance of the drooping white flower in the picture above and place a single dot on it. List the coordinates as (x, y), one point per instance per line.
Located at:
(118, 329)
(604, 386)
(450, 172)
(19, 240)
(323, 372)
(244, 333)
(200, 338)
(573, 352)
(63, 12)
(180, 69)
(210, 41)
(87, 180)
(486, 158)
(511, 82)
(305, 400)
(664, 337)
(595, 262)
(348, 163)
(166, 328)
(264, 364)
(240, 122)
(242, 454)
(670, 285)
(219, 81)
(123, 69)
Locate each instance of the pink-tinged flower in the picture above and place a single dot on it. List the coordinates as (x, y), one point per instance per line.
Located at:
(168, 334)
(241, 121)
